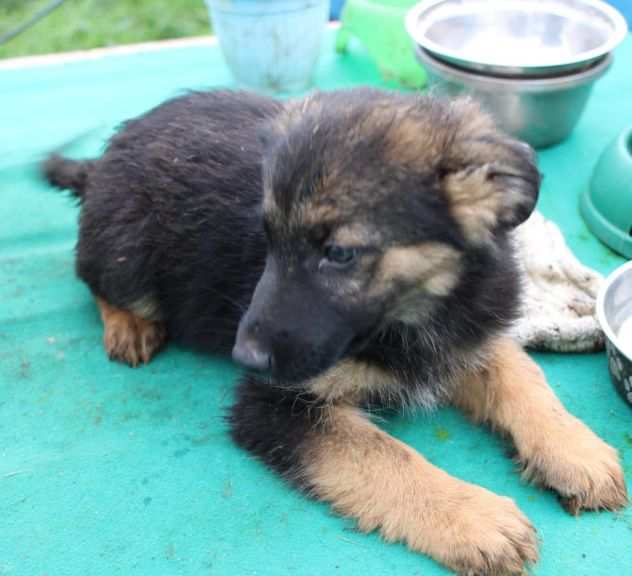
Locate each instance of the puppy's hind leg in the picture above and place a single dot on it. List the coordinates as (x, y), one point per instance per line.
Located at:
(554, 447)
(130, 336)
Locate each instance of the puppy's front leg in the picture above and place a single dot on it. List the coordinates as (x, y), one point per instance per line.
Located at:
(555, 448)
(333, 452)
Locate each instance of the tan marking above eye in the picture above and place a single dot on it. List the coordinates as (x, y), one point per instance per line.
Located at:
(431, 266)
(353, 235)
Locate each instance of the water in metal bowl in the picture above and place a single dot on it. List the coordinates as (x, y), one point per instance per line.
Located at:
(516, 37)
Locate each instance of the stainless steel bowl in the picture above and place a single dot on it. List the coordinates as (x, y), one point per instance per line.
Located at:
(614, 307)
(540, 111)
(516, 37)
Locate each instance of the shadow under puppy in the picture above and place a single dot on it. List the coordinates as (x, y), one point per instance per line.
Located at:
(355, 247)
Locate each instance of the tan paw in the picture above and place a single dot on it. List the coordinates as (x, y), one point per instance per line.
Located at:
(486, 535)
(131, 339)
(498, 540)
(581, 468)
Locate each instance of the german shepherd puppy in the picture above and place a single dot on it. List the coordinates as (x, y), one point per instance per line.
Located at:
(366, 236)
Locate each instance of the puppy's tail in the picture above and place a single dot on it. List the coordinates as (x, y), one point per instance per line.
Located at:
(67, 174)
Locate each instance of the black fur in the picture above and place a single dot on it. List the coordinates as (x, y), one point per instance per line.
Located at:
(173, 212)
(273, 424)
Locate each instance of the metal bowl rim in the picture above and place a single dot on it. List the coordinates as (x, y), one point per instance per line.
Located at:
(619, 33)
(547, 84)
(600, 306)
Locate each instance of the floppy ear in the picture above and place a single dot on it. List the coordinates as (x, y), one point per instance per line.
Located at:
(491, 183)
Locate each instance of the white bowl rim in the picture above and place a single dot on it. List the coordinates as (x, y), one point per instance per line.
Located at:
(600, 306)
(619, 23)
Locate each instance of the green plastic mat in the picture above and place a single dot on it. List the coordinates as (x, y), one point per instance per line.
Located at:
(105, 470)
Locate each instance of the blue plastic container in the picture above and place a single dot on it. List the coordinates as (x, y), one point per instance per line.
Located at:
(336, 9)
(270, 45)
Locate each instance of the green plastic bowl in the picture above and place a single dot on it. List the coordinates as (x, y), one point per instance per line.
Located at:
(607, 204)
(379, 26)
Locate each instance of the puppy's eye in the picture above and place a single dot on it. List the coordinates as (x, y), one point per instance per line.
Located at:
(338, 256)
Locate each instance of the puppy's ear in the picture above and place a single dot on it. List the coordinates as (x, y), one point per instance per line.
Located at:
(491, 182)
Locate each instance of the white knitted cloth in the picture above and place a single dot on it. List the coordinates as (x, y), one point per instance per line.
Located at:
(559, 300)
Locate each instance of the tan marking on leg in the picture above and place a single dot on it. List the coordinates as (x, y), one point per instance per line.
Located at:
(130, 338)
(556, 449)
(387, 486)
(354, 381)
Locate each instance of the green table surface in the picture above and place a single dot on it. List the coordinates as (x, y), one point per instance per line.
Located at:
(106, 470)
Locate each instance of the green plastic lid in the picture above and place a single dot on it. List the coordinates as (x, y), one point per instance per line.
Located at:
(607, 204)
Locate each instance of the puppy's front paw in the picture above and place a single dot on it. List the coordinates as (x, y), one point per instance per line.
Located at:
(131, 339)
(581, 468)
(488, 535)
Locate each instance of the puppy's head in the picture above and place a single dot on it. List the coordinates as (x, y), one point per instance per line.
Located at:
(371, 202)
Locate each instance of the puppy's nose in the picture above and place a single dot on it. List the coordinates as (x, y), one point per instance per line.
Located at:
(252, 356)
